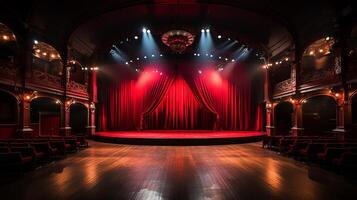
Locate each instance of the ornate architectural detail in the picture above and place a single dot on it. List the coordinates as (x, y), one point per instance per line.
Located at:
(45, 79)
(74, 86)
(320, 77)
(284, 87)
(177, 40)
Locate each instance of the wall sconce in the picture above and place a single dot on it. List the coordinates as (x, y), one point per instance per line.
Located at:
(269, 105)
(29, 97)
(70, 102)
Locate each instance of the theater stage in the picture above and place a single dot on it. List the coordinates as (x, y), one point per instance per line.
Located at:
(179, 137)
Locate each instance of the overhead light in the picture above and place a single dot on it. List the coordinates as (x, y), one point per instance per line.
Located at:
(160, 55)
(152, 55)
(145, 57)
(200, 71)
(202, 30)
(321, 50)
(194, 54)
(35, 41)
(311, 53)
(144, 30)
(219, 36)
(211, 56)
(44, 54)
(226, 59)
(136, 37)
(327, 38)
(5, 37)
(53, 55)
(126, 63)
(220, 57)
(137, 58)
(207, 30)
(198, 54)
(148, 31)
(233, 60)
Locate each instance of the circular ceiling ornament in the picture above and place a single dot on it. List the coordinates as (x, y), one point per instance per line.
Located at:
(177, 40)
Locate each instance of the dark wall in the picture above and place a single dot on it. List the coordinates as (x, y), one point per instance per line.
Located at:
(78, 118)
(354, 109)
(319, 115)
(8, 108)
(44, 105)
(283, 115)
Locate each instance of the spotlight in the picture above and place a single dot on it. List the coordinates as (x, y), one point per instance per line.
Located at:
(137, 58)
(152, 55)
(202, 30)
(126, 63)
(327, 38)
(226, 59)
(219, 36)
(199, 71)
(160, 55)
(136, 37)
(211, 56)
(229, 39)
(144, 30)
(207, 30)
(145, 57)
(233, 60)
(198, 54)
(35, 41)
(131, 61)
(206, 54)
(194, 54)
(5, 37)
(220, 57)
(220, 69)
(136, 70)
(148, 31)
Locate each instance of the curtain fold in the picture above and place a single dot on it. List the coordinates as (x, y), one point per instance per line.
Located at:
(182, 98)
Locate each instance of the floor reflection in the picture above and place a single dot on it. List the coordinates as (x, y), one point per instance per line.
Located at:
(244, 171)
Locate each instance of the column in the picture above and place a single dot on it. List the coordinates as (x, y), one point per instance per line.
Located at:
(24, 62)
(65, 128)
(270, 129)
(297, 128)
(92, 91)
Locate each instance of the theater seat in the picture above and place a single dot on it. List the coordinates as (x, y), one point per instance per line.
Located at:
(347, 162)
(330, 153)
(14, 161)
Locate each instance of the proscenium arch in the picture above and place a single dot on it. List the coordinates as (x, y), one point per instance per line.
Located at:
(283, 121)
(319, 114)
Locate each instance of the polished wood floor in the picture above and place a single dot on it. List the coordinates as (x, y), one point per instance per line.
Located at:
(242, 171)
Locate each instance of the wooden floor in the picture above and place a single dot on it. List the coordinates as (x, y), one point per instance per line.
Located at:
(242, 171)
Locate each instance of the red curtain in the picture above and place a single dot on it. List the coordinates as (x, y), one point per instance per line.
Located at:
(183, 98)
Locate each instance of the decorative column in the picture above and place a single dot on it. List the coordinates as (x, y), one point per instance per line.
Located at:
(24, 62)
(24, 130)
(92, 91)
(91, 120)
(343, 106)
(297, 128)
(270, 129)
(65, 128)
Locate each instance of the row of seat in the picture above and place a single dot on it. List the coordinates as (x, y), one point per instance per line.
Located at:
(21, 154)
(329, 151)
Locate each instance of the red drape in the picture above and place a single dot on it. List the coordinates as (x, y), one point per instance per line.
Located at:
(184, 98)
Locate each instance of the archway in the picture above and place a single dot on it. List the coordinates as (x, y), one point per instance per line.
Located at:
(45, 116)
(283, 118)
(8, 115)
(319, 115)
(78, 118)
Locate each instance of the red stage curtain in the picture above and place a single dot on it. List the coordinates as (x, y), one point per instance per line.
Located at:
(179, 109)
(184, 98)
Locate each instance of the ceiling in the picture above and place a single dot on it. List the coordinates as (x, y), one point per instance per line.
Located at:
(92, 26)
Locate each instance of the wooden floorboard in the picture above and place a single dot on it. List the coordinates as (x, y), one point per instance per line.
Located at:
(240, 171)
